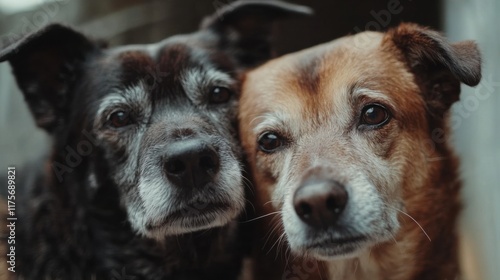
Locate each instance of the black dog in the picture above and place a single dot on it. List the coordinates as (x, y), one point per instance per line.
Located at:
(144, 179)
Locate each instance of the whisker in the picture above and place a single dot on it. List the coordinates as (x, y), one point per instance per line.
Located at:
(263, 216)
(413, 219)
(283, 244)
(247, 183)
(356, 265)
(297, 256)
(273, 229)
(270, 201)
(397, 244)
(251, 204)
(282, 235)
(287, 256)
(278, 247)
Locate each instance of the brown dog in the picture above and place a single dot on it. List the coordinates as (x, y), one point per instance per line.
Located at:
(346, 143)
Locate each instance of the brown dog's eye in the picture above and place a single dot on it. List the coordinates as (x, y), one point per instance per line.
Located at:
(220, 95)
(119, 119)
(374, 115)
(269, 142)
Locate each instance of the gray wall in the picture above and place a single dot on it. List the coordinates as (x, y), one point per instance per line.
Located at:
(477, 136)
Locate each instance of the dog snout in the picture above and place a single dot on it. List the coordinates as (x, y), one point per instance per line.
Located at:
(191, 163)
(320, 203)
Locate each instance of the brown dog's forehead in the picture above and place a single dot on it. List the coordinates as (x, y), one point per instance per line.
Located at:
(323, 78)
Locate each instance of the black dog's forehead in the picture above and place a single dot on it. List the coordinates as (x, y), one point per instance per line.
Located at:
(161, 66)
(160, 71)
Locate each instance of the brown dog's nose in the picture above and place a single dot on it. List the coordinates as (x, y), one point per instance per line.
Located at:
(320, 203)
(191, 163)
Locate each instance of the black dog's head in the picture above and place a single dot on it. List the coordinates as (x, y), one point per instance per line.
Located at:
(156, 121)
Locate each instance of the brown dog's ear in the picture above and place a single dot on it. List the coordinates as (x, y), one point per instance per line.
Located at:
(47, 64)
(244, 27)
(440, 65)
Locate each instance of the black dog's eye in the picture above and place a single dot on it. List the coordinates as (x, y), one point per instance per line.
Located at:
(269, 142)
(120, 119)
(220, 95)
(374, 115)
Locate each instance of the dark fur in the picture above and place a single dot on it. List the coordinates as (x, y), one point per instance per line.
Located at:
(72, 228)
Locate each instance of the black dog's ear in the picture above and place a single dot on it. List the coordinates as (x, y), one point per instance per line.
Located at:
(440, 64)
(47, 64)
(244, 27)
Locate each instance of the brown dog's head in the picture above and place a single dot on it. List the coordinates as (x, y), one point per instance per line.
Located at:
(337, 135)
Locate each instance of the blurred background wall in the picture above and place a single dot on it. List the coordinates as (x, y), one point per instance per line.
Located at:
(477, 136)
(477, 132)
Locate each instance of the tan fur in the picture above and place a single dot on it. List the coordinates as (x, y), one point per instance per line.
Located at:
(312, 89)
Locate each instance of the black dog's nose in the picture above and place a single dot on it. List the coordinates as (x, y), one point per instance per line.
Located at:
(320, 203)
(191, 163)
